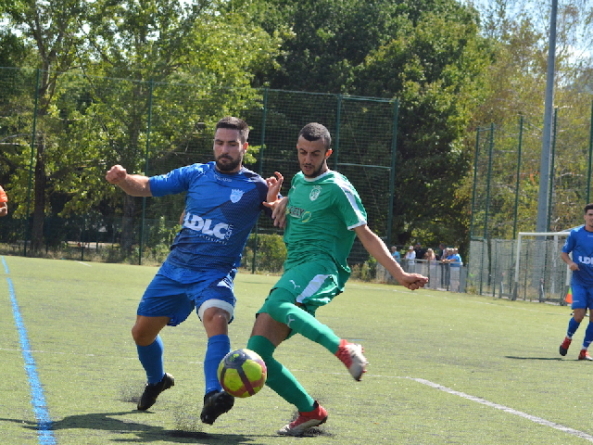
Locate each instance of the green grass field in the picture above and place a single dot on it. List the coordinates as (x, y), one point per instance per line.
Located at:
(444, 368)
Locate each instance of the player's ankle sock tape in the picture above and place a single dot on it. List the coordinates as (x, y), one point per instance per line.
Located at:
(281, 379)
(151, 357)
(218, 347)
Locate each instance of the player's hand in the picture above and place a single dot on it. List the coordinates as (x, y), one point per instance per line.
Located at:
(573, 266)
(274, 186)
(413, 281)
(116, 174)
(278, 211)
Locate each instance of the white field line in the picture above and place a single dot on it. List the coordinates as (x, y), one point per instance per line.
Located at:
(84, 264)
(506, 409)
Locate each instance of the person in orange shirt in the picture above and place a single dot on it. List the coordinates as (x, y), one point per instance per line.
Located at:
(3, 202)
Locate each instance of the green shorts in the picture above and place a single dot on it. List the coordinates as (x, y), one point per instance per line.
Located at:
(311, 285)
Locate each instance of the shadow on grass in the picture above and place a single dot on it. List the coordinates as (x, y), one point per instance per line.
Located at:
(142, 433)
(554, 359)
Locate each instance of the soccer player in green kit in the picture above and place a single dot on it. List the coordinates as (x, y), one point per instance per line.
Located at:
(322, 215)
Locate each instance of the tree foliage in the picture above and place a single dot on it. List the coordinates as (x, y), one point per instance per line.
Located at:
(428, 55)
(85, 116)
(515, 91)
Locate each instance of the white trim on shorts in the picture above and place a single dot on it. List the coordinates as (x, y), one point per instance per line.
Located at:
(313, 287)
(213, 302)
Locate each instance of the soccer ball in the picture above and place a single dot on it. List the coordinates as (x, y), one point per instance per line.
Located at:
(242, 373)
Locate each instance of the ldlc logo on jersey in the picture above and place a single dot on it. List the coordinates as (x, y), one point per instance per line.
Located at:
(220, 230)
(586, 260)
(315, 191)
(236, 195)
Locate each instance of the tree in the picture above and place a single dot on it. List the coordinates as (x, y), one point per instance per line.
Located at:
(428, 55)
(104, 73)
(515, 90)
(184, 65)
(54, 28)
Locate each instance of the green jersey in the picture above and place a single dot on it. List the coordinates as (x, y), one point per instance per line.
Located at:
(321, 215)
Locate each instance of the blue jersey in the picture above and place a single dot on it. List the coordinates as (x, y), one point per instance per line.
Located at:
(455, 260)
(220, 211)
(580, 243)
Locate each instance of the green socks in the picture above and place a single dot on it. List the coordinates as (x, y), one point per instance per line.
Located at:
(281, 379)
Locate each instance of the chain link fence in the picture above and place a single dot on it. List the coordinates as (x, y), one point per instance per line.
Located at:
(532, 272)
(58, 140)
(505, 188)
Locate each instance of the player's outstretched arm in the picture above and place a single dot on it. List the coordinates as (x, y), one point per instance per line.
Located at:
(377, 248)
(134, 185)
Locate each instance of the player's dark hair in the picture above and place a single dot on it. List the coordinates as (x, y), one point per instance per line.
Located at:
(234, 123)
(315, 132)
(588, 207)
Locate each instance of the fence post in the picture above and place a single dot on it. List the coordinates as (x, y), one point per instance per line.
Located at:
(392, 171)
(146, 155)
(518, 180)
(474, 192)
(552, 168)
(488, 181)
(590, 154)
(33, 145)
(261, 169)
(336, 153)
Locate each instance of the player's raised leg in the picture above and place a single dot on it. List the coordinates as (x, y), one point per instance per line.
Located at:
(281, 307)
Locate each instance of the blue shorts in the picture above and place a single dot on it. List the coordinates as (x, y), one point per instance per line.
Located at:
(165, 297)
(582, 296)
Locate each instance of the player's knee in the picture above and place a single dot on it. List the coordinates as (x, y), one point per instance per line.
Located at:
(578, 315)
(141, 337)
(216, 315)
(280, 310)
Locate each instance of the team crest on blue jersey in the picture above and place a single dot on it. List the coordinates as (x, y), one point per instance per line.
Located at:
(236, 195)
(315, 193)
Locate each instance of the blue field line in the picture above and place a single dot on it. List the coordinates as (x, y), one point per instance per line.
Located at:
(44, 423)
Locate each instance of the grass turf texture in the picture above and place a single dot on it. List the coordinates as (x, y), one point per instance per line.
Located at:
(78, 317)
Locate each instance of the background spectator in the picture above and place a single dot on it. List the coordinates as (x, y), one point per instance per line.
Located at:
(410, 258)
(3, 202)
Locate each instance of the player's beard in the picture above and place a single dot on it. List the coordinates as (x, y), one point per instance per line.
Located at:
(229, 166)
(316, 172)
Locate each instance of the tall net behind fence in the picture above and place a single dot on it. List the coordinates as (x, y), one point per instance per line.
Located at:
(63, 146)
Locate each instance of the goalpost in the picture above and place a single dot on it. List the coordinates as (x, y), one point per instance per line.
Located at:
(541, 257)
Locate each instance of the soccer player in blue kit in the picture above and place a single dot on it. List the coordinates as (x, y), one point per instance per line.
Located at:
(223, 203)
(580, 243)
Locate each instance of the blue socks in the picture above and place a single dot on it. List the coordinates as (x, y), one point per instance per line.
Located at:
(572, 327)
(218, 347)
(151, 357)
(588, 336)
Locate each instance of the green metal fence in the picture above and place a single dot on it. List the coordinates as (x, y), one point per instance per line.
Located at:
(505, 200)
(56, 147)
